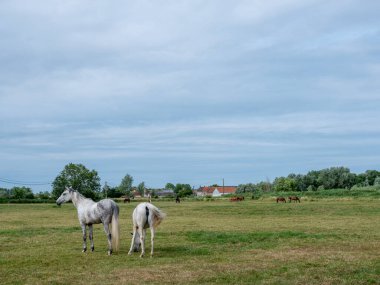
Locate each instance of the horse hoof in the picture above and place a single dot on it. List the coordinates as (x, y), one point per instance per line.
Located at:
(84, 250)
(109, 253)
(92, 249)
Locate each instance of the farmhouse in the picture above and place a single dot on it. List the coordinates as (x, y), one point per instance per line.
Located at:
(216, 191)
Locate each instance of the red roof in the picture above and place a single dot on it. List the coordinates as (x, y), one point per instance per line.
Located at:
(221, 189)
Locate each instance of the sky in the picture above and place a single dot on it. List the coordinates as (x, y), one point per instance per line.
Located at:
(187, 91)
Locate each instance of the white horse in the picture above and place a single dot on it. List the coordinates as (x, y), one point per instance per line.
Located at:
(105, 211)
(144, 216)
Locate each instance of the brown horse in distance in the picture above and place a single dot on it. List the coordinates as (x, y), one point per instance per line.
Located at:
(234, 199)
(281, 199)
(294, 198)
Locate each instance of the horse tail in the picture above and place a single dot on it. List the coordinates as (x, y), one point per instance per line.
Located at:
(157, 215)
(115, 228)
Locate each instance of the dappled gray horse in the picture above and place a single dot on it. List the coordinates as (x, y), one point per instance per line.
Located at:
(105, 211)
(144, 216)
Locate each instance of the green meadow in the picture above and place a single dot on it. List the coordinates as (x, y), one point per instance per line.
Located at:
(317, 241)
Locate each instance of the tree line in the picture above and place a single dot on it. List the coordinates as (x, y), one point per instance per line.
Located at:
(324, 179)
(87, 182)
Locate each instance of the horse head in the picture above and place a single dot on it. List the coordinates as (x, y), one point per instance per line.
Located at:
(136, 242)
(65, 196)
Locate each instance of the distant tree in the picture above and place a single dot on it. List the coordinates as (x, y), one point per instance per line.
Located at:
(4, 193)
(311, 179)
(299, 181)
(284, 184)
(113, 192)
(371, 176)
(141, 189)
(170, 186)
(125, 186)
(376, 182)
(329, 178)
(105, 190)
(246, 188)
(43, 195)
(21, 193)
(78, 177)
(183, 190)
(311, 188)
(320, 188)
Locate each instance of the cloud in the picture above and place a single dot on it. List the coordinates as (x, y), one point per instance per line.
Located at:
(188, 90)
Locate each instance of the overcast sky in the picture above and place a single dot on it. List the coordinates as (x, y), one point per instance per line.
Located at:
(188, 91)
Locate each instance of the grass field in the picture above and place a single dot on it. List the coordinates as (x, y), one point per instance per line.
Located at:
(328, 241)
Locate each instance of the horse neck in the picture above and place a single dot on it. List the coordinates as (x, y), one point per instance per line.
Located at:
(77, 198)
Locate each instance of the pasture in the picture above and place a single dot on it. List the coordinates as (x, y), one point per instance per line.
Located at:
(328, 241)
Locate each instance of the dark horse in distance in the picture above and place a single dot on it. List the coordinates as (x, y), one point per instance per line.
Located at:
(294, 198)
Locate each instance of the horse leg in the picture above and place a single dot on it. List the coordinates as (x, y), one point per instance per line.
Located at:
(133, 241)
(90, 235)
(142, 240)
(151, 240)
(84, 237)
(109, 237)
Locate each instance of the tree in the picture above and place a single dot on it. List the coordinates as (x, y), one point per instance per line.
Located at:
(371, 176)
(113, 192)
(78, 177)
(43, 195)
(246, 188)
(21, 193)
(105, 189)
(183, 190)
(125, 186)
(4, 193)
(284, 184)
(170, 186)
(141, 189)
(377, 182)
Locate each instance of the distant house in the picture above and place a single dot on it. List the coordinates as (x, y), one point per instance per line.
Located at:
(136, 194)
(164, 193)
(216, 191)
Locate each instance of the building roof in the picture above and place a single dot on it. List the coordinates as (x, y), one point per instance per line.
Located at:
(221, 189)
(165, 192)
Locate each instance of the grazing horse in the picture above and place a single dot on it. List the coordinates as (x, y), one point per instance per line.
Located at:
(235, 199)
(281, 199)
(294, 198)
(127, 200)
(144, 216)
(177, 200)
(105, 211)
